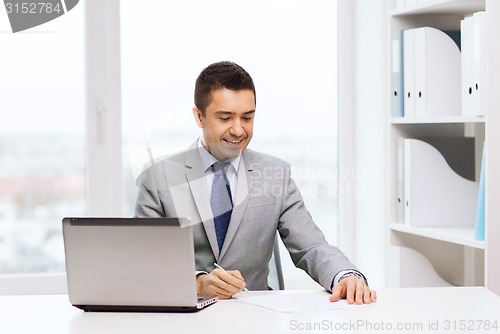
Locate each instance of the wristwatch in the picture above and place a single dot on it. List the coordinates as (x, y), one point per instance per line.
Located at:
(352, 273)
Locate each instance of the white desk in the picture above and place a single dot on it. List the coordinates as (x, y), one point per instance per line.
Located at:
(420, 308)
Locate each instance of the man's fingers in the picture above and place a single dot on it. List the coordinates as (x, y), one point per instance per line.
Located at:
(221, 283)
(218, 291)
(226, 284)
(354, 290)
(336, 293)
(350, 290)
(233, 278)
(213, 285)
(360, 291)
(236, 274)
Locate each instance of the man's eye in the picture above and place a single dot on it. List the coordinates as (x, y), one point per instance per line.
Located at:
(247, 119)
(225, 119)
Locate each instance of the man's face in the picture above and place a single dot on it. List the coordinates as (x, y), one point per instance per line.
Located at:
(228, 122)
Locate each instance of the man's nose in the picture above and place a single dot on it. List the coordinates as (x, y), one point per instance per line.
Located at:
(236, 128)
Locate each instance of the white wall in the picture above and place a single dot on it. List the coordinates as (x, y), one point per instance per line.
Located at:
(363, 80)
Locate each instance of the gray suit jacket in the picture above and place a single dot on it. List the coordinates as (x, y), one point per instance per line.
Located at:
(266, 200)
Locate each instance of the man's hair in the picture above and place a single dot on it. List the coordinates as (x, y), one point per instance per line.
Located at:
(224, 74)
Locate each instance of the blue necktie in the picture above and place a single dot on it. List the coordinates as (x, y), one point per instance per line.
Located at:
(221, 201)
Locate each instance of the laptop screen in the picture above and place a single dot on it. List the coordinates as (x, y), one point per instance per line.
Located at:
(129, 262)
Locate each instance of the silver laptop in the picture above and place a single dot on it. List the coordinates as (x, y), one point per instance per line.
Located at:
(131, 264)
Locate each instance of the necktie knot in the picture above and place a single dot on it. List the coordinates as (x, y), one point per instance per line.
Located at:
(220, 167)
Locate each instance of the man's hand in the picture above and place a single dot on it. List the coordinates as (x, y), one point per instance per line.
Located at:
(220, 283)
(353, 289)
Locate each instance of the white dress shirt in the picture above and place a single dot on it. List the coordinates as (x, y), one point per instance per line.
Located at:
(207, 161)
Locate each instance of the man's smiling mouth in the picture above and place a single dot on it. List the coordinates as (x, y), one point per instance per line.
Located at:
(234, 142)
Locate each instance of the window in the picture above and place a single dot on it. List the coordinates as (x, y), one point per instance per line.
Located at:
(289, 48)
(42, 166)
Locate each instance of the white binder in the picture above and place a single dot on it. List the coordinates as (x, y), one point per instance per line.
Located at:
(434, 194)
(479, 59)
(466, 29)
(397, 74)
(400, 200)
(409, 72)
(473, 64)
(415, 270)
(437, 74)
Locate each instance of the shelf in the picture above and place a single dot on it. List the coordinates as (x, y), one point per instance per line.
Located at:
(478, 260)
(438, 120)
(457, 235)
(459, 7)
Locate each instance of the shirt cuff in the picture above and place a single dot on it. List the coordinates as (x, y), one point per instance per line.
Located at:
(341, 273)
(200, 273)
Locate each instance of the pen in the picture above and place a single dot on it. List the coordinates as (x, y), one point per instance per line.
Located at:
(224, 270)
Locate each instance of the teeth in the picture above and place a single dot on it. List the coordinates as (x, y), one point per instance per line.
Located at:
(234, 141)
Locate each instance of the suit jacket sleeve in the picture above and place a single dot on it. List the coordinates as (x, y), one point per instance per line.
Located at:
(148, 203)
(303, 239)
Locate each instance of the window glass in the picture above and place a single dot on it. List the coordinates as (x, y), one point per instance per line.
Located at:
(289, 48)
(42, 172)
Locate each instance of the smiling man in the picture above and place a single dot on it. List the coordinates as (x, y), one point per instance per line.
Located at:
(236, 203)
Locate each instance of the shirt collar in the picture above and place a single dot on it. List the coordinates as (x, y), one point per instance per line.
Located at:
(208, 159)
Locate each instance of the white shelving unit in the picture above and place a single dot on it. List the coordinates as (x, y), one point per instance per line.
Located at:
(453, 252)
(440, 7)
(438, 120)
(456, 235)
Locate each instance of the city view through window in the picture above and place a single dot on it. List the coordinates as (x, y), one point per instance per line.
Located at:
(42, 153)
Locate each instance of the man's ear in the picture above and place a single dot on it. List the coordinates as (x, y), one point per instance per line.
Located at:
(198, 117)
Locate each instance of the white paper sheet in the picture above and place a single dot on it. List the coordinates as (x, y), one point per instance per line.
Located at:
(293, 301)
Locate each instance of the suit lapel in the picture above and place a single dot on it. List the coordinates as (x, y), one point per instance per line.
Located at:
(243, 190)
(195, 177)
